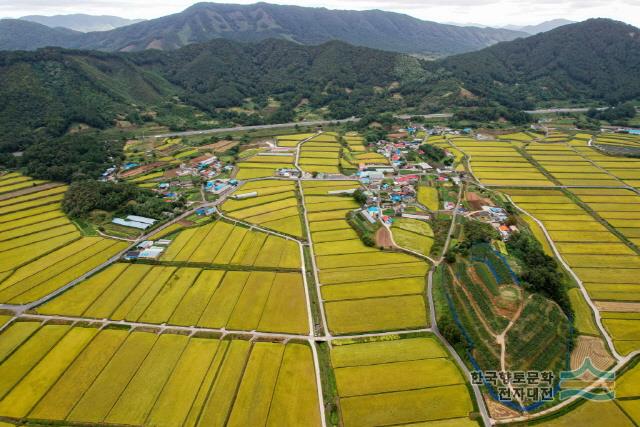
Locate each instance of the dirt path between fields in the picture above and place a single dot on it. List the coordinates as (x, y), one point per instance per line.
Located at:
(29, 190)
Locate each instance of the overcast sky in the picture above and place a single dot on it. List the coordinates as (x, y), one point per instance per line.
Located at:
(486, 12)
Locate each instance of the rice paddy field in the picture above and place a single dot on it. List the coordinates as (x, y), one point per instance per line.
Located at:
(81, 374)
(271, 204)
(498, 163)
(568, 166)
(321, 154)
(410, 381)
(428, 197)
(40, 249)
(413, 234)
(292, 140)
(186, 296)
(222, 243)
(606, 264)
(355, 142)
(262, 165)
(15, 181)
(364, 289)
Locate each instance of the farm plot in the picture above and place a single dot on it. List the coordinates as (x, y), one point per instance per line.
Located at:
(413, 234)
(355, 142)
(499, 163)
(363, 288)
(570, 167)
(321, 154)
(625, 169)
(618, 207)
(428, 197)
(263, 165)
(292, 140)
(32, 225)
(61, 374)
(14, 181)
(605, 264)
(242, 300)
(45, 274)
(271, 203)
(222, 243)
(399, 381)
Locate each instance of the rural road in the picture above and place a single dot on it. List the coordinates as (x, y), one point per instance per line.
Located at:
(349, 120)
(249, 128)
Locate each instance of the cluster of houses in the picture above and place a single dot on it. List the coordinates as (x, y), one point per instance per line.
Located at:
(392, 189)
(498, 218)
(220, 186)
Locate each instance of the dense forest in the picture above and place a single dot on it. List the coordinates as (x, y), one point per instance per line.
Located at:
(595, 60)
(224, 83)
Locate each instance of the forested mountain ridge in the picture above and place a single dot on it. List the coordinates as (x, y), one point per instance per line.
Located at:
(305, 25)
(227, 82)
(16, 34)
(52, 88)
(598, 59)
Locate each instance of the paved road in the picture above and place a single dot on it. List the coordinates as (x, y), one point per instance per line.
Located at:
(560, 110)
(350, 119)
(249, 128)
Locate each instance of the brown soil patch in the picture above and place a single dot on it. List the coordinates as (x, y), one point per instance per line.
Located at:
(497, 410)
(622, 307)
(594, 348)
(476, 201)
(383, 238)
(171, 173)
(29, 190)
(141, 169)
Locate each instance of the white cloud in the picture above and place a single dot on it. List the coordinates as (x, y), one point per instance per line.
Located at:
(487, 12)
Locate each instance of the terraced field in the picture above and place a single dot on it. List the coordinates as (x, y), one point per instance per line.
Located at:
(399, 382)
(363, 288)
(67, 373)
(321, 154)
(264, 165)
(500, 163)
(15, 181)
(269, 203)
(40, 249)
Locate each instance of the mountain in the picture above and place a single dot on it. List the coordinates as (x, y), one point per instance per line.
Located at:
(228, 82)
(52, 88)
(16, 34)
(310, 26)
(81, 22)
(598, 59)
(540, 28)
